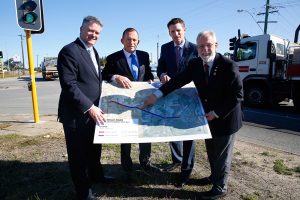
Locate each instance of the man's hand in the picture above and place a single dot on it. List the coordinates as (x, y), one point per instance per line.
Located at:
(123, 81)
(149, 101)
(164, 78)
(150, 81)
(97, 115)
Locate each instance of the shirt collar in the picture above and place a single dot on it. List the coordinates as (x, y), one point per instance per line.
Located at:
(127, 54)
(181, 45)
(210, 63)
(85, 46)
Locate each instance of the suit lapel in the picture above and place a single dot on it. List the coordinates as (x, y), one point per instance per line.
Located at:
(123, 62)
(88, 58)
(172, 55)
(215, 68)
(98, 62)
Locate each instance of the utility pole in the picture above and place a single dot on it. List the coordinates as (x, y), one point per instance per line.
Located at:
(22, 53)
(37, 61)
(267, 16)
(157, 48)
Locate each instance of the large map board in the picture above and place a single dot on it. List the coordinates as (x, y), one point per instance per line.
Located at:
(178, 116)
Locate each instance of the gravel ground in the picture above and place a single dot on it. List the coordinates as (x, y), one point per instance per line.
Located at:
(33, 165)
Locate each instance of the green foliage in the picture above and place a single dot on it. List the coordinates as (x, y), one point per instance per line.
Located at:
(249, 197)
(280, 168)
(265, 153)
(297, 169)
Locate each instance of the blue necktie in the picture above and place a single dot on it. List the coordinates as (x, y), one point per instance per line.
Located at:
(134, 67)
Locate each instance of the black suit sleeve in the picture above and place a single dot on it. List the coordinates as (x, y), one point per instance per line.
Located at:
(145, 61)
(181, 79)
(161, 65)
(107, 71)
(68, 74)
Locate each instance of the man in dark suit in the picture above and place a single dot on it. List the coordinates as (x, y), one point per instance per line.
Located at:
(221, 92)
(174, 57)
(123, 67)
(80, 80)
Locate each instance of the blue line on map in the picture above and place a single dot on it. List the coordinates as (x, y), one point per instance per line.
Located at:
(136, 107)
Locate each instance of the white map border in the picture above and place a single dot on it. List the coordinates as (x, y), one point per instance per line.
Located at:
(116, 130)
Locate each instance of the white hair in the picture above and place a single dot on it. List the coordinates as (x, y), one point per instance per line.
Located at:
(206, 34)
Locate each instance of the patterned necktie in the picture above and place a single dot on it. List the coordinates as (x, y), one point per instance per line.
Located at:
(178, 56)
(206, 72)
(134, 67)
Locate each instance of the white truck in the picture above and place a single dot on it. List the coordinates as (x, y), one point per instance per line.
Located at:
(49, 68)
(270, 68)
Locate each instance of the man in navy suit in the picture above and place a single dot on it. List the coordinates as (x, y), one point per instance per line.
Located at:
(174, 57)
(221, 92)
(78, 111)
(125, 66)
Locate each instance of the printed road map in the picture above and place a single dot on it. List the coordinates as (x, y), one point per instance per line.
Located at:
(176, 117)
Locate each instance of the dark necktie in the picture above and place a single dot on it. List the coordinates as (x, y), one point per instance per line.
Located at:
(178, 56)
(134, 67)
(206, 72)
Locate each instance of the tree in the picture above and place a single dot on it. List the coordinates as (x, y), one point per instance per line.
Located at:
(12, 64)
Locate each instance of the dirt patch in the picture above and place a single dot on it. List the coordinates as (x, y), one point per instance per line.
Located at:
(35, 167)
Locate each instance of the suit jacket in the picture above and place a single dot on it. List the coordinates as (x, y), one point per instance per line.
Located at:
(117, 64)
(223, 94)
(80, 84)
(167, 60)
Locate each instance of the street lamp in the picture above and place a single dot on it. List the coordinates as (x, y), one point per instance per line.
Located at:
(241, 10)
(22, 36)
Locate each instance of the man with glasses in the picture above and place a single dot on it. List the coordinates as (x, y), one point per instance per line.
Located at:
(221, 95)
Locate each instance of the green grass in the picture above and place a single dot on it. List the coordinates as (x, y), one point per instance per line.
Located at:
(249, 197)
(265, 153)
(280, 168)
(297, 169)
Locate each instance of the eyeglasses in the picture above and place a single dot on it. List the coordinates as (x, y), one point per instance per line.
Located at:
(209, 46)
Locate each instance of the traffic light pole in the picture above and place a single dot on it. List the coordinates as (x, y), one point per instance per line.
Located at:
(32, 77)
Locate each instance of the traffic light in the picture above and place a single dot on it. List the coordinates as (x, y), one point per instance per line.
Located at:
(1, 54)
(29, 14)
(232, 43)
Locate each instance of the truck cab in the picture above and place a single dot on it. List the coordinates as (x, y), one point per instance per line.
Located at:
(49, 68)
(263, 63)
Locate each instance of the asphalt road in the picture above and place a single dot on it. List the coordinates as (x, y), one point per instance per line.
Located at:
(276, 128)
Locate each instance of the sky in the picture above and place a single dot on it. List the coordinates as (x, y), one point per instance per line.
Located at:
(63, 20)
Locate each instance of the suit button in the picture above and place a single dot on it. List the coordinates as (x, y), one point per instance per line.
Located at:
(205, 100)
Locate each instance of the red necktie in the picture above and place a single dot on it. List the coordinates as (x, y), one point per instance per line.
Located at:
(206, 72)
